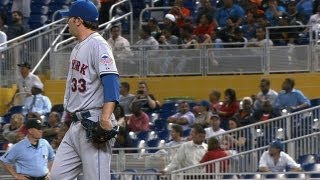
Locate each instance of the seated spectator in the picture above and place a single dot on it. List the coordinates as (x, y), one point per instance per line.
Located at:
(276, 154)
(274, 11)
(17, 28)
(169, 22)
(229, 10)
(148, 100)
(237, 39)
(229, 107)
(289, 98)
(120, 116)
(246, 113)
(52, 127)
(62, 131)
(155, 30)
(176, 135)
(249, 26)
(237, 140)
(262, 21)
(214, 98)
(138, 121)
(215, 152)
(119, 44)
(37, 103)
(3, 22)
(264, 113)
(123, 140)
(206, 8)
(215, 130)
(213, 38)
(205, 26)
(184, 117)
(147, 42)
(167, 38)
(187, 40)
(204, 114)
(125, 97)
(304, 9)
(297, 16)
(10, 131)
(191, 152)
(266, 94)
(260, 39)
(180, 12)
(314, 20)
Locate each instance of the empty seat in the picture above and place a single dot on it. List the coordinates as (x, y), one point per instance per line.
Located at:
(128, 174)
(307, 159)
(186, 132)
(40, 19)
(165, 135)
(39, 9)
(4, 2)
(143, 135)
(160, 125)
(153, 143)
(150, 174)
(314, 168)
(251, 176)
(296, 176)
(229, 176)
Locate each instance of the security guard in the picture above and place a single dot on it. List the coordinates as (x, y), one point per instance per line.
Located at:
(32, 156)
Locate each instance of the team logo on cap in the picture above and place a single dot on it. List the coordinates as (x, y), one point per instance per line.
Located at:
(105, 60)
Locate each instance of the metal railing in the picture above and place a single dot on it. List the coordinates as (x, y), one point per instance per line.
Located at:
(172, 60)
(248, 161)
(27, 48)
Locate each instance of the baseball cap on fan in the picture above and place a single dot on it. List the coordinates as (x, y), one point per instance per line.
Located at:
(84, 9)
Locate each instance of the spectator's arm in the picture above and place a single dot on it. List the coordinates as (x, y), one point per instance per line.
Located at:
(152, 103)
(51, 131)
(292, 164)
(9, 168)
(305, 102)
(263, 167)
(182, 121)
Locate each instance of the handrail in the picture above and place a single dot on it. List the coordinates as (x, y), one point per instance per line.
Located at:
(49, 49)
(151, 8)
(55, 49)
(31, 32)
(131, 16)
(243, 153)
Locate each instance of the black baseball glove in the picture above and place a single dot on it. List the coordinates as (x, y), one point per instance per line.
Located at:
(100, 135)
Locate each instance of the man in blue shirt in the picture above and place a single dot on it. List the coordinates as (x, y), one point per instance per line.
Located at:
(32, 156)
(37, 103)
(290, 98)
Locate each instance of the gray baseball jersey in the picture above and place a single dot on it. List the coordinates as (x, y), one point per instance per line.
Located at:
(84, 89)
(89, 59)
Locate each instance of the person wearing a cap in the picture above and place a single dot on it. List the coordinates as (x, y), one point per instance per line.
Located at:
(37, 103)
(92, 91)
(215, 129)
(275, 160)
(31, 156)
(147, 41)
(169, 22)
(119, 44)
(204, 113)
(25, 82)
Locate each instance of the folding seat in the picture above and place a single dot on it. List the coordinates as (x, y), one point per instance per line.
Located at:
(160, 125)
(313, 167)
(128, 176)
(143, 135)
(307, 159)
(150, 174)
(164, 134)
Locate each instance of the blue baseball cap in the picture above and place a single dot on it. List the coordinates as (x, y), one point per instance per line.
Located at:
(277, 144)
(84, 9)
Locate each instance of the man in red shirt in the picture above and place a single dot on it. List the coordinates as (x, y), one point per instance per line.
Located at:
(138, 121)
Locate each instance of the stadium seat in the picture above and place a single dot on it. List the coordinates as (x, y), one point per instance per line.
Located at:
(143, 135)
(4, 2)
(149, 175)
(307, 159)
(38, 18)
(160, 125)
(43, 2)
(129, 177)
(39, 9)
(186, 132)
(229, 176)
(164, 134)
(296, 176)
(113, 175)
(313, 167)
(251, 176)
(315, 102)
(16, 109)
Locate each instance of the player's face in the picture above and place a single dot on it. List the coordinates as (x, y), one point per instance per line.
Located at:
(73, 22)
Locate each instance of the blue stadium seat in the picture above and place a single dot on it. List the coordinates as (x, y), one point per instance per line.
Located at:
(315, 102)
(149, 177)
(62, 1)
(229, 176)
(307, 159)
(43, 2)
(296, 176)
(251, 176)
(313, 167)
(160, 124)
(39, 9)
(186, 132)
(38, 18)
(113, 175)
(130, 177)
(143, 135)
(16, 109)
(153, 143)
(164, 134)
(4, 2)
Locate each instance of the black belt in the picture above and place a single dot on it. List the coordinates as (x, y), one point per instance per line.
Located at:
(83, 115)
(37, 178)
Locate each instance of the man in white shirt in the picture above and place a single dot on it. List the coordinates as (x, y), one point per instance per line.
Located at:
(119, 44)
(266, 94)
(275, 160)
(215, 129)
(184, 117)
(191, 152)
(25, 82)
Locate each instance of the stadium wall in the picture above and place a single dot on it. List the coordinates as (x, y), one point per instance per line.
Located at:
(197, 87)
